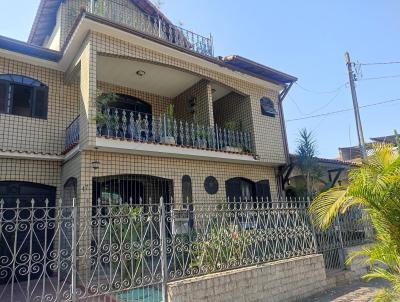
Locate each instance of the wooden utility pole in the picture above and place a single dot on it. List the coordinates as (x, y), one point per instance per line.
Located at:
(360, 134)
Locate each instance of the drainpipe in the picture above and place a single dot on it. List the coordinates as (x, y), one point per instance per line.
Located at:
(281, 97)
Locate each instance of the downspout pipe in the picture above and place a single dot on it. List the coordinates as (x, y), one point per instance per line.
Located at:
(281, 169)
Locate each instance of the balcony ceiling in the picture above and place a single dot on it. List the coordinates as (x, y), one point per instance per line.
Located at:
(158, 79)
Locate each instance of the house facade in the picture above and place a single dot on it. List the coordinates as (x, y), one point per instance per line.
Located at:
(327, 174)
(174, 122)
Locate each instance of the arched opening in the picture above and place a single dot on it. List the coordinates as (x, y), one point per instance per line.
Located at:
(26, 228)
(131, 103)
(187, 199)
(69, 194)
(134, 189)
(70, 191)
(126, 107)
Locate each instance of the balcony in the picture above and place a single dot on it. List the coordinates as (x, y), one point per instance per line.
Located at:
(141, 127)
(152, 25)
(72, 134)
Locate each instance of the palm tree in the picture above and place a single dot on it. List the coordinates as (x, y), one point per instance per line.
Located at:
(306, 160)
(375, 186)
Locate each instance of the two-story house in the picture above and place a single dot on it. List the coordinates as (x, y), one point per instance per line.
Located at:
(109, 99)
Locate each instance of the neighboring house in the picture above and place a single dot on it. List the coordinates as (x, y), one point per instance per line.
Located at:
(331, 172)
(353, 153)
(225, 138)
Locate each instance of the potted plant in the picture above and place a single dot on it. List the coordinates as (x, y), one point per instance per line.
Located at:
(166, 136)
(102, 118)
(202, 137)
(232, 127)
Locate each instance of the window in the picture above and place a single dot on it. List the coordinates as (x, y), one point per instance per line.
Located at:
(186, 190)
(267, 107)
(24, 96)
(239, 188)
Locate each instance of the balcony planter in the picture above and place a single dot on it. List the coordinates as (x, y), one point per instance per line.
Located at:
(168, 140)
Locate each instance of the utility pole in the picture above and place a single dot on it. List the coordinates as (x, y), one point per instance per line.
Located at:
(352, 78)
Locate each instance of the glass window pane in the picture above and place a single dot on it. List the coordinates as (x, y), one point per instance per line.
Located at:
(40, 107)
(22, 100)
(3, 96)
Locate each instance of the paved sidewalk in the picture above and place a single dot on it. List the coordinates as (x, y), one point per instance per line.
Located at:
(357, 292)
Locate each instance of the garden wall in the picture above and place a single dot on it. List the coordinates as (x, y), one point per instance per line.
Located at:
(285, 280)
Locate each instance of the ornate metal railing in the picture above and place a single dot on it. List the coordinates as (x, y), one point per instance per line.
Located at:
(129, 250)
(136, 126)
(156, 26)
(72, 133)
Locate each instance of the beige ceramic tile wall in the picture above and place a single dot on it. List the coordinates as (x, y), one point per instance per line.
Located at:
(203, 113)
(40, 135)
(234, 107)
(169, 168)
(38, 171)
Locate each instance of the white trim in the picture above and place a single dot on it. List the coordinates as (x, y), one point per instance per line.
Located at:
(158, 150)
(71, 153)
(21, 155)
(30, 59)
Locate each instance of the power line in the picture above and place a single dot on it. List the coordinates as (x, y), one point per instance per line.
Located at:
(322, 92)
(342, 110)
(380, 78)
(327, 103)
(379, 63)
(295, 103)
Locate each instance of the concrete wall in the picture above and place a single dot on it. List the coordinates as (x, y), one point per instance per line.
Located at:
(286, 280)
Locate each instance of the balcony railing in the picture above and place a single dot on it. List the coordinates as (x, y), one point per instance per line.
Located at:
(151, 25)
(72, 134)
(142, 127)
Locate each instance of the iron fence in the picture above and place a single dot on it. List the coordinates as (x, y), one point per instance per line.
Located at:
(153, 25)
(349, 229)
(129, 251)
(144, 127)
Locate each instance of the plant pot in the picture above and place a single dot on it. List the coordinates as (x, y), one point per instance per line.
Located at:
(168, 140)
(232, 149)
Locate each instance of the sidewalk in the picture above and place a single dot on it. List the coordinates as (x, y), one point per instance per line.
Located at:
(357, 292)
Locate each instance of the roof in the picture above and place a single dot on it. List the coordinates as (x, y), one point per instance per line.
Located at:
(255, 68)
(29, 49)
(46, 15)
(293, 157)
(389, 139)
